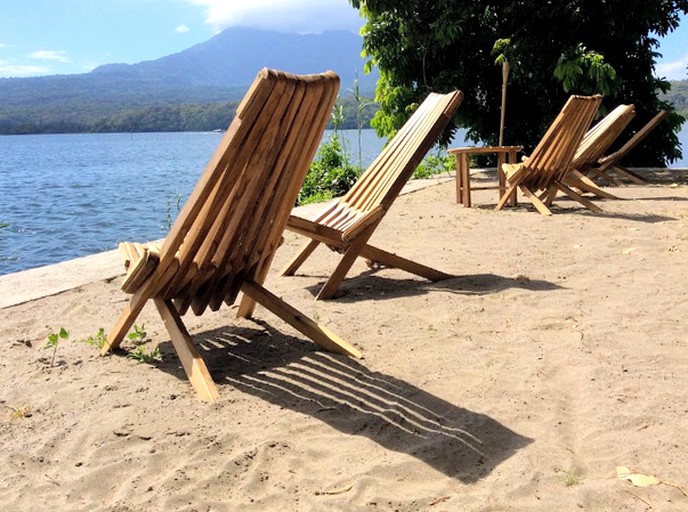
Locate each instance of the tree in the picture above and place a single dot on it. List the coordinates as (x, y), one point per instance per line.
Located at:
(555, 48)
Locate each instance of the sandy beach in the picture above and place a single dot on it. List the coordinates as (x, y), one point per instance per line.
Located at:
(556, 354)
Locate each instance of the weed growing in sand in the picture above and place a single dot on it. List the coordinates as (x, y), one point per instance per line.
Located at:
(20, 412)
(139, 335)
(96, 340)
(571, 478)
(141, 355)
(54, 340)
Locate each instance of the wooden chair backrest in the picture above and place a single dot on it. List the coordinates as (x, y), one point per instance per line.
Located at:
(378, 187)
(613, 158)
(233, 220)
(597, 139)
(553, 154)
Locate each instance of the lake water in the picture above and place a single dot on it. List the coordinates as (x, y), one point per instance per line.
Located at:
(66, 196)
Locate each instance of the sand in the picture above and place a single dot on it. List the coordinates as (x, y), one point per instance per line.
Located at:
(556, 354)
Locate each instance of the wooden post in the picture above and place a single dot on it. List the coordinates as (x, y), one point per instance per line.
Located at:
(505, 78)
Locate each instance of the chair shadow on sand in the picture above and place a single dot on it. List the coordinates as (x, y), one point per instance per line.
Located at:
(290, 373)
(371, 286)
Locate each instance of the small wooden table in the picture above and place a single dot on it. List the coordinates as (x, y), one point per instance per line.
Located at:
(505, 154)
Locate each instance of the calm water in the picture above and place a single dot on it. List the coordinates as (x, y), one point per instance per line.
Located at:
(66, 196)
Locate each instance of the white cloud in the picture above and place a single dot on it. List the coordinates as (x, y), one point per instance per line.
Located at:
(9, 69)
(302, 16)
(182, 29)
(51, 55)
(675, 70)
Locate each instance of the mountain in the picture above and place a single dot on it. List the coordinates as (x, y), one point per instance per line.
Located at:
(175, 86)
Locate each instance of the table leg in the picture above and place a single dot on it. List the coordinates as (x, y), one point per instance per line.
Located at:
(513, 200)
(501, 177)
(463, 184)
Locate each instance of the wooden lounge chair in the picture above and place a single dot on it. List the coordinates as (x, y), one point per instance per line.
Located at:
(542, 174)
(226, 235)
(595, 143)
(347, 225)
(610, 163)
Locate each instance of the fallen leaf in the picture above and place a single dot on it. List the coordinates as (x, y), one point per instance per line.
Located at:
(643, 480)
(637, 479)
(629, 250)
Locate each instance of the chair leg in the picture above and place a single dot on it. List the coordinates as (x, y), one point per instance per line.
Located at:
(394, 261)
(330, 287)
(548, 196)
(579, 180)
(191, 360)
(124, 323)
(506, 197)
(539, 205)
(300, 257)
(628, 174)
(248, 305)
(577, 197)
(320, 334)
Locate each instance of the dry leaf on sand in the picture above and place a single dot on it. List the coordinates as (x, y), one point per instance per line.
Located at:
(642, 480)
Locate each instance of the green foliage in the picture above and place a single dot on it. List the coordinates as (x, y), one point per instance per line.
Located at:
(62, 111)
(330, 174)
(96, 340)
(139, 335)
(141, 355)
(553, 50)
(174, 206)
(433, 165)
(53, 342)
(585, 72)
(362, 105)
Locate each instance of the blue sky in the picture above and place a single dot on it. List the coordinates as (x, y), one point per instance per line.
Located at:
(39, 37)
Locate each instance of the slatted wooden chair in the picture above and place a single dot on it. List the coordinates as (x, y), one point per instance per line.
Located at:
(225, 237)
(608, 165)
(542, 174)
(595, 143)
(347, 225)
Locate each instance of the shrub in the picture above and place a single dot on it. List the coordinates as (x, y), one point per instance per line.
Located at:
(330, 175)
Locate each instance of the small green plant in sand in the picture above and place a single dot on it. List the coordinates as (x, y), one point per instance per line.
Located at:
(572, 479)
(54, 340)
(139, 335)
(96, 340)
(142, 355)
(20, 412)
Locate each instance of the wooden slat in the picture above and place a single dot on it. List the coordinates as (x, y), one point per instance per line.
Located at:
(358, 212)
(192, 362)
(229, 229)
